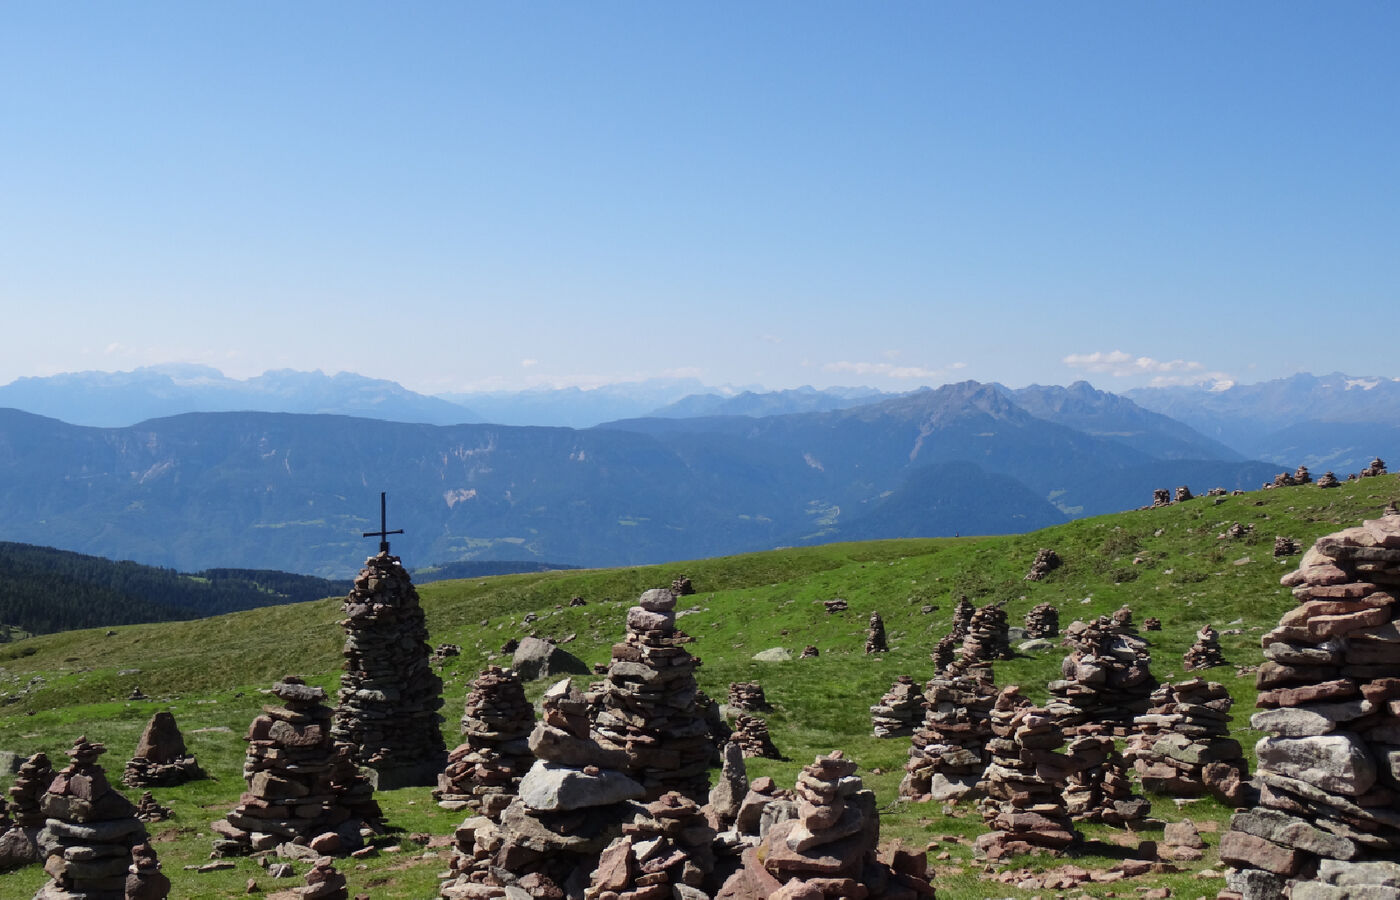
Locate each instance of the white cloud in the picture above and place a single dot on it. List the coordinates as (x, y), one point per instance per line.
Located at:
(527, 363)
(888, 370)
(1164, 372)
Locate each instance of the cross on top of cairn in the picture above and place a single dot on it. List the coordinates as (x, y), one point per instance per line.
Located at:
(383, 532)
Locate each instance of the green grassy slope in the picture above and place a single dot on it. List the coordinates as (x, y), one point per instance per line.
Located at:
(1166, 562)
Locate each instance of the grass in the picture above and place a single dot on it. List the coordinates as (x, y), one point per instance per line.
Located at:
(1165, 562)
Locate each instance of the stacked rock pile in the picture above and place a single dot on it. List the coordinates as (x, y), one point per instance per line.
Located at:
(1122, 618)
(1106, 678)
(1330, 700)
(1151, 623)
(570, 806)
(682, 586)
(671, 846)
(646, 706)
(944, 652)
(148, 810)
(809, 652)
(577, 601)
(301, 783)
(948, 752)
(1099, 790)
(747, 695)
(485, 770)
(1205, 653)
(836, 605)
(161, 759)
(19, 841)
(1328, 480)
(1183, 494)
(89, 836)
(751, 734)
(875, 635)
(324, 882)
(443, 652)
(1377, 467)
(1024, 783)
(1183, 745)
(829, 849)
(988, 638)
(1286, 546)
(899, 711)
(1235, 532)
(1046, 561)
(963, 611)
(1301, 475)
(389, 694)
(1161, 497)
(1043, 621)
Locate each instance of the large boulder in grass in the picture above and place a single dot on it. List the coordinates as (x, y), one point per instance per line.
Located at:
(536, 658)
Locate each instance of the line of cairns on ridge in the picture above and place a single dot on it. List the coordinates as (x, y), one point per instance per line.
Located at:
(606, 795)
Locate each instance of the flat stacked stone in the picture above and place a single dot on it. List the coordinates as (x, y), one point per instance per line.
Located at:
(161, 759)
(1046, 561)
(748, 695)
(875, 635)
(1183, 745)
(1099, 790)
(670, 846)
(646, 706)
(1106, 679)
(1205, 653)
(389, 694)
(751, 734)
(899, 711)
(485, 770)
(945, 651)
(19, 841)
(988, 638)
(571, 805)
(948, 753)
(1328, 821)
(1024, 806)
(1043, 621)
(89, 836)
(302, 784)
(1328, 480)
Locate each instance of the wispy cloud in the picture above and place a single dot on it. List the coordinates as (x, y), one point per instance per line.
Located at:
(1163, 372)
(890, 370)
(527, 363)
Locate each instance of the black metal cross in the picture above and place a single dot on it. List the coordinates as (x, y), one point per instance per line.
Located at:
(383, 532)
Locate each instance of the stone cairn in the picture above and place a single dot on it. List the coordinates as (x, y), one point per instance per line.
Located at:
(682, 586)
(948, 753)
(670, 846)
(389, 694)
(963, 611)
(1183, 494)
(1043, 621)
(944, 652)
(748, 695)
(646, 706)
(809, 652)
(161, 759)
(1183, 745)
(1099, 790)
(1122, 618)
(1106, 679)
(1046, 561)
(324, 882)
(1024, 783)
(570, 806)
(988, 638)
(1205, 653)
(149, 810)
(1286, 546)
(91, 836)
(1330, 698)
(1301, 475)
(302, 785)
(1328, 480)
(829, 848)
(485, 770)
(751, 734)
(1161, 497)
(875, 635)
(19, 842)
(1377, 467)
(899, 711)
(836, 605)
(1151, 623)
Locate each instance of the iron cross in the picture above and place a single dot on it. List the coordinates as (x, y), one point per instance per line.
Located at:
(383, 532)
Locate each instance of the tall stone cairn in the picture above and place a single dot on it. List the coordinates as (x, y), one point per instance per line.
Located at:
(389, 694)
(19, 835)
(1301, 475)
(945, 651)
(1024, 804)
(90, 836)
(1205, 653)
(161, 759)
(875, 635)
(1183, 745)
(963, 611)
(1043, 621)
(301, 782)
(1045, 562)
(988, 638)
(1328, 822)
(1106, 679)
(948, 753)
(899, 711)
(751, 734)
(1099, 790)
(646, 706)
(484, 772)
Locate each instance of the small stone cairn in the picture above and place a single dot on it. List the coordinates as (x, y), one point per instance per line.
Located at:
(19, 841)
(1183, 745)
(324, 882)
(670, 846)
(1377, 467)
(751, 734)
(682, 586)
(809, 652)
(1043, 621)
(149, 810)
(948, 753)
(1151, 623)
(484, 772)
(1046, 561)
(1205, 653)
(646, 707)
(944, 652)
(1301, 475)
(988, 638)
(161, 759)
(1327, 823)
(91, 837)
(1183, 493)
(899, 711)
(301, 783)
(1286, 546)
(836, 605)
(748, 695)
(1024, 783)
(1122, 618)
(1106, 679)
(875, 635)
(1100, 789)
(1161, 497)
(1328, 480)
(389, 694)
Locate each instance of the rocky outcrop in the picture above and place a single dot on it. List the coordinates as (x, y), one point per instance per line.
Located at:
(535, 658)
(1024, 806)
(161, 759)
(1183, 745)
(389, 694)
(1043, 621)
(485, 770)
(1106, 679)
(948, 753)
(1205, 653)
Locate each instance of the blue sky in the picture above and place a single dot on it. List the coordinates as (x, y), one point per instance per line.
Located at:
(466, 195)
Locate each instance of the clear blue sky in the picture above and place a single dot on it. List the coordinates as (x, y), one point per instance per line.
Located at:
(455, 195)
